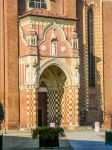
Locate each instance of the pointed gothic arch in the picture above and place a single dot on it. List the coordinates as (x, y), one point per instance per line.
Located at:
(64, 67)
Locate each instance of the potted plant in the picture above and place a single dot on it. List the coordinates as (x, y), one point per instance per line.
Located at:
(108, 134)
(48, 136)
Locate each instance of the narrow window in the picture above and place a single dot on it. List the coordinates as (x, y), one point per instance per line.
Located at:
(91, 57)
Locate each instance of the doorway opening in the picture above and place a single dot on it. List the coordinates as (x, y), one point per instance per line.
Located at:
(51, 96)
(42, 109)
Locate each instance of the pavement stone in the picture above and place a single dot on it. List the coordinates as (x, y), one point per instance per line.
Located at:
(88, 140)
(17, 142)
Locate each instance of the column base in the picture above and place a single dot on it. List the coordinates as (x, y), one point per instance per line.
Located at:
(10, 126)
(13, 125)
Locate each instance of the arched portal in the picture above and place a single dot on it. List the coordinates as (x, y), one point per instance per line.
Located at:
(55, 98)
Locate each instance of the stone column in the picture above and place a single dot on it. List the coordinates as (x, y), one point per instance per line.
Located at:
(32, 84)
(77, 87)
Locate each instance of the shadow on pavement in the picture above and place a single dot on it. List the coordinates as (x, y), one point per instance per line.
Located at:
(89, 145)
(26, 143)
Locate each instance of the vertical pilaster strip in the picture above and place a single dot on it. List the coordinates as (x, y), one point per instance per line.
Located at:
(32, 106)
(35, 106)
(77, 106)
(85, 62)
(28, 106)
(2, 92)
(65, 7)
(11, 64)
(99, 54)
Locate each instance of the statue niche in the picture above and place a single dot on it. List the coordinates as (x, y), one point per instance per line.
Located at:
(53, 42)
(53, 47)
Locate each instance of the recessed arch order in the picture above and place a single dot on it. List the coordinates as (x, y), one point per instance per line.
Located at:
(64, 67)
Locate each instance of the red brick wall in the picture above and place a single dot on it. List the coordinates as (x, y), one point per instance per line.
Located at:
(67, 7)
(107, 27)
(11, 64)
(79, 15)
(1, 53)
(23, 113)
(21, 6)
(92, 94)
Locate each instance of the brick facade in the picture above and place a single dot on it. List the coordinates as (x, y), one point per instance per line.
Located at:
(94, 97)
(9, 63)
(107, 36)
(38, 45)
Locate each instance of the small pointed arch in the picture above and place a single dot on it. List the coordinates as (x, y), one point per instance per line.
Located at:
(42, 84)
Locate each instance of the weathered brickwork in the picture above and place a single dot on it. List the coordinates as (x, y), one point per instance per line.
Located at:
(107, 42)
(9, 62)
(1, 54)
(93, 101)
(46, 51)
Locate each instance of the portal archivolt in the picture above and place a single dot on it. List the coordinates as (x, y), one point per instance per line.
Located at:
(59, 97)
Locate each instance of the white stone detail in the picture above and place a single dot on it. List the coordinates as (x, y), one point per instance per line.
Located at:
(31, 40)
(53, 47)
(77, 77)
(28, 102)
(22, 35)
(34, 75)
(74, 40)
(43, 48)
(63, 49)
(27, 108)
(28, 113)
(31, 70)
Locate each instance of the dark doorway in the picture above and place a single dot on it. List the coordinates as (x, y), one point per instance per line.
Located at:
(42, 109)
(39, 117)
